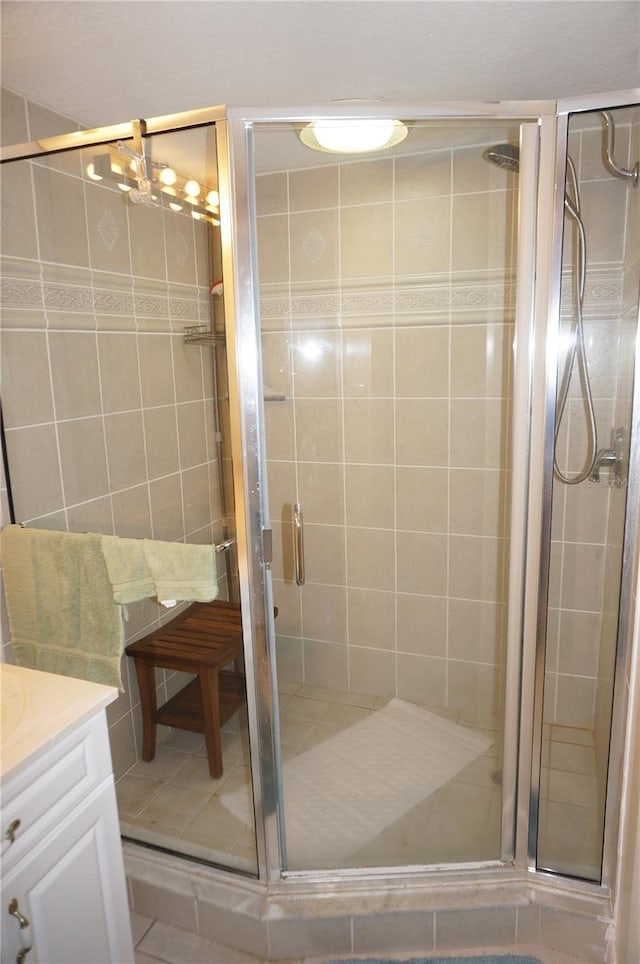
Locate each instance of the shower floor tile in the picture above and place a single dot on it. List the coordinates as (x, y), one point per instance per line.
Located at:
(172, 802)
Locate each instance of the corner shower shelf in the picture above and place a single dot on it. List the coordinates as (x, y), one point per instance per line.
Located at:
(203, 335)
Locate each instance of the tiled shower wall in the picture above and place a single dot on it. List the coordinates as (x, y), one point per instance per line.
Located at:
(387, 322)
(588, 519)
(109, 415)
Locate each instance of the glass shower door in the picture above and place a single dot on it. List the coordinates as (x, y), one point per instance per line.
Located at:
(387, 291)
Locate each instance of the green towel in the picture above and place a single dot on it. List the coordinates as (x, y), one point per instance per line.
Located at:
(181, 571)
(62, 613)
(127, 568)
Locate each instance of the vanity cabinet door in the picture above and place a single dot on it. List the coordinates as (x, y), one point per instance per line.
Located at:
(70, 890)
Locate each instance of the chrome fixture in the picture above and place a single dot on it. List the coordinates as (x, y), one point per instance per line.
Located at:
(145, 181)
(298, 526)
(507, 157)
(608, 148)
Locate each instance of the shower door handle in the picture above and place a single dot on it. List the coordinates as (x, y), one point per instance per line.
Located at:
(298, 542)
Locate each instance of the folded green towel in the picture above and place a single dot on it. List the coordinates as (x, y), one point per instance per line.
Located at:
(127, 568)
(62, 613)
(181, 571)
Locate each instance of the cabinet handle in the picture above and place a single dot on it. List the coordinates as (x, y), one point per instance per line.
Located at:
(23, 923)
(298, 527)
(10, 834)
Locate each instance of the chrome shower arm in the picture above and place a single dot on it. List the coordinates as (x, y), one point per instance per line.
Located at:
(623, 172)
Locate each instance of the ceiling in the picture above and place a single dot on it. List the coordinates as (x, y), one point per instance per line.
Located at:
(106, 62)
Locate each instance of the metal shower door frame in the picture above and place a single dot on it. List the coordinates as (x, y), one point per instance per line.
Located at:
(534, 674)
(538, 144)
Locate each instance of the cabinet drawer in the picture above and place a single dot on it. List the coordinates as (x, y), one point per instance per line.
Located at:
(52, 785)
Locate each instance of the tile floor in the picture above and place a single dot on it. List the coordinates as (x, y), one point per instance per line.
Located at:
(159, 943)
(173, 802)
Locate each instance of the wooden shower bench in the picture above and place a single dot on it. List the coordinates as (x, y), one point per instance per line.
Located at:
(203, 639)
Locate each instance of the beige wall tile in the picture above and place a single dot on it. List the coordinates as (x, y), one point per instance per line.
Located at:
(603, 211)
(26, 382)
(475, 690)
(195, 500)
(423, 175)
(125, 450)
(422, 362)
(166, 509)
(324, 612)
(288, 598)
(192, 442)
(131, 513)
(83, 458)
(372, 618)
(422, 499)
(35, 471)
(422, 436)
(62, 231)
(366, 241)
(372, 671)
(276, 362)
(119, 373)
(74, 368)
(318, 430)
(422, 625)
(393, 933)
(321, 492)
(478, 429)
(583, 577)
(282, 489)
(94, 516)
(369, 430)
(575, 701)
(18, 217)
(573, 934)
(316, 364)
(476, 567)
(180, 249)
(188, 361)
(273, 248)
(422, 236)
(476, 630)
(370, 496)
(579, 643)
(314, 246)
(108, 229)
(289, 658)
(147, 242)
(325, 664)
(478, 501)
(279, 430)
(325, 554)
(586, 513)
(363, 182)
(156, 370)
(370, 558)
(13, 116)
(482, 231)
(480, 361)
(161, 438)
(421, 679)
(315, 187)
(367, 362)
(422, 563)
(271, 190)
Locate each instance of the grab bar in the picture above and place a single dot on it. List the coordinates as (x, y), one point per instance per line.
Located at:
(298, 526)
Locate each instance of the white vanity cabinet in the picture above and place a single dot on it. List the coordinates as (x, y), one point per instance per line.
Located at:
(63, 884)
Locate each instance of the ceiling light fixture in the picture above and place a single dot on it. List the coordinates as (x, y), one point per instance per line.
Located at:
(353, 136)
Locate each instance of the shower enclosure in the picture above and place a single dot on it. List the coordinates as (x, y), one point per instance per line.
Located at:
(354, 376)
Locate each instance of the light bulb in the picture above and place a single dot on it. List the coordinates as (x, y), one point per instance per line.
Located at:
(348, 136)
(91, 172)
(174, 206)
(192, 189)
(168, 176)
(213, 198)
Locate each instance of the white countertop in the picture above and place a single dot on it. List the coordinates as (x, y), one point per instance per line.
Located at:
(39, 708)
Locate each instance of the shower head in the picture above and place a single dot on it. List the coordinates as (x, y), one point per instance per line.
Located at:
(506, 156)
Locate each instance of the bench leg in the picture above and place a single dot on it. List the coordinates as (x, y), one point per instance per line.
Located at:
(147, 687)
(210, 696)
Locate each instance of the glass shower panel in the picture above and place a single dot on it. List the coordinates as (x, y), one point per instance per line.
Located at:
(115, 408)
(387, 293)
(602, 232)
